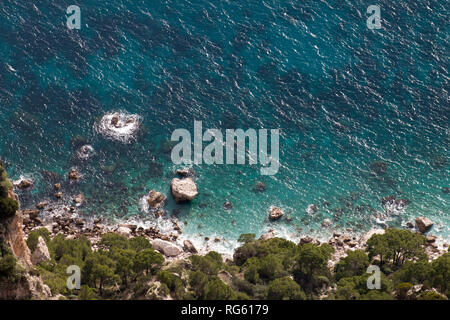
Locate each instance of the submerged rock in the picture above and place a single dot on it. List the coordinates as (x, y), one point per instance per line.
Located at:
(185, 172)
(312, 208)
(183, 189)
(424, 224)
(379, 167)
(79, 199)
(275, 213)
(259, 187)
(227, 205)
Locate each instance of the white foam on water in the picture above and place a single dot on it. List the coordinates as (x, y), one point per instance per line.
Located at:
(85, 152)
(119, 126)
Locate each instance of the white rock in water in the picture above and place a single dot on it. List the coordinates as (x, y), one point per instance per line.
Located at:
(183, 189)
(167, 248)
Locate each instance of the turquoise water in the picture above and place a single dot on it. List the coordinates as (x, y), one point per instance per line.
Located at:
(342, 95)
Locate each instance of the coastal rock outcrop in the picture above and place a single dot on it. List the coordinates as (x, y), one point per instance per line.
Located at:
(23, 183)
(275, 213)
(423, 224)
(74, 175)
(41, 253)
(167, 248)
(185, 172)
(188, 246)
(124, 231)
(268, 235)
(183, 189)
(156, 200)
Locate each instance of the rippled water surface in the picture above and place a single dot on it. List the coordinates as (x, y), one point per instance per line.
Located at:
(363, 113)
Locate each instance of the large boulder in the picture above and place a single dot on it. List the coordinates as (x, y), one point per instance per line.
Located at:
(167, 248)
(423, 224)
(183, 189)
(268, 235)
(124, 231)
(188, 246)
(156, 200)
(275, 213)
(23, 183)
(74, 175)
(369, 234)
(41, 253)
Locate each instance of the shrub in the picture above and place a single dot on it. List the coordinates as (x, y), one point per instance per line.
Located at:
(8, 207)
(440, 274)
(270, 268)
(113, 240)
(354, 264)
(285, 289)
(414, 273)
(402, 290)
(216, 289)
(198, 281)
(7, 266)
(431, 295)
(139, 244)
(34, 235)
(251, 273)
(208, 264)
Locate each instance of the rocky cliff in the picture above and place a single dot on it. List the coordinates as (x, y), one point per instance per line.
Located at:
(22, 284)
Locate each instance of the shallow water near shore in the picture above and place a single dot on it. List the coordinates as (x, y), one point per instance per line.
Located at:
(363, 114)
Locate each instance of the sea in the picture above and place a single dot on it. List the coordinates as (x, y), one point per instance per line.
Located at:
(363, 113)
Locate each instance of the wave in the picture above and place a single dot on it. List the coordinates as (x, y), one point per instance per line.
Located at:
(119, 126)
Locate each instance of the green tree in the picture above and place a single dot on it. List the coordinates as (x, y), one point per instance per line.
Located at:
(440, 274)
(101, 270)
(354, 264)
(198, 281)
(311, 269)
(285, 289)
(124, 263)
(113, 240)
(139, 243)
(396, 245)
(216, 289)
(148, 261)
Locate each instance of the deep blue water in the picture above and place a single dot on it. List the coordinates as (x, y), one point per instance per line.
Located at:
(342, 95)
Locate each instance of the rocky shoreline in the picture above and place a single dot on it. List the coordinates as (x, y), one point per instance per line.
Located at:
(64, 219)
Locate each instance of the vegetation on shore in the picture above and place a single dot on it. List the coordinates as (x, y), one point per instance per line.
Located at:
(276, 268)
(122, 268)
